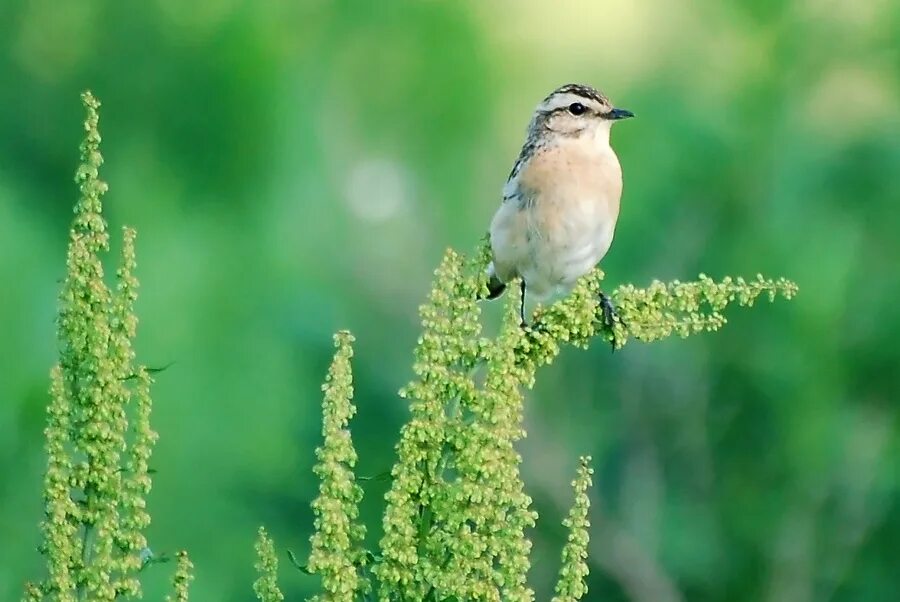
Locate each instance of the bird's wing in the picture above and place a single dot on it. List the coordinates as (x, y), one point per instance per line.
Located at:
(509, 239)
(527, 151)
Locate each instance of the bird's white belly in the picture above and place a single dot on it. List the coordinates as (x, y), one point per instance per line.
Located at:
(556, 260)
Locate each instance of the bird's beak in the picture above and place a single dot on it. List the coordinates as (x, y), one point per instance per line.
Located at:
(616, 114)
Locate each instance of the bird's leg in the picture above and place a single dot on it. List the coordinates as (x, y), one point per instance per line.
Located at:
(610, 316)
(522, 303)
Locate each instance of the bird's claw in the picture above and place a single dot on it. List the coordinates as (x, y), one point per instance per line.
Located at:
(609, 317)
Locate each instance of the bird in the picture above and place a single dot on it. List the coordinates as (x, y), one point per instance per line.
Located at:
(560, 202)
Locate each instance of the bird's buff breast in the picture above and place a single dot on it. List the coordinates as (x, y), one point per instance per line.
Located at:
(565, 209)
(565, 244)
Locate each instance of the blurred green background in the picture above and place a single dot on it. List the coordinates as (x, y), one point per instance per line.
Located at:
(297, 167)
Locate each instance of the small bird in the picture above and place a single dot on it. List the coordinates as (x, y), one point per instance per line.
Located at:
(561, 200)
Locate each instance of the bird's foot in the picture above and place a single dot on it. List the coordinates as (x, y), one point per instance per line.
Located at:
(609, 317)
(522, 322)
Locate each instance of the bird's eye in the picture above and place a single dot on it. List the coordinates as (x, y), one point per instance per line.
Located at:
(576, 108)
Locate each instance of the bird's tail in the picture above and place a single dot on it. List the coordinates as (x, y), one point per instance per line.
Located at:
(495, 286)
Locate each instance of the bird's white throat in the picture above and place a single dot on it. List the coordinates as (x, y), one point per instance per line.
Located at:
(600, 134)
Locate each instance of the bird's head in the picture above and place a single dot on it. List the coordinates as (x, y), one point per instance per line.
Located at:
(575, 110)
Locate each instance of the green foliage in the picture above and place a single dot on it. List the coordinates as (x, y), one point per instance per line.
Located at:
(685, 308)
(456, 516)
(266, 586)
(571, 585)
(184, 574)
(98, 435)
(336, 553)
